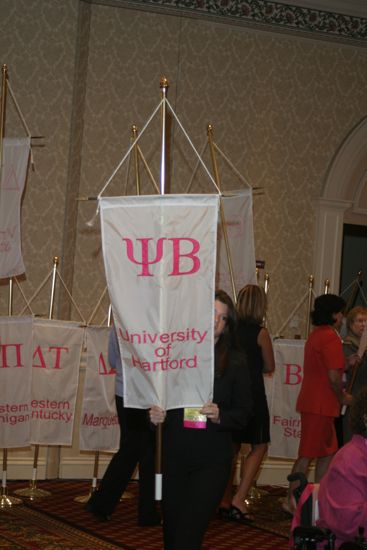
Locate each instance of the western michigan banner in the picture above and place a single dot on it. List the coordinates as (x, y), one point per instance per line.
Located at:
(13, 176)
(99, 426)
(285, 423)
(56, 357)
(237, 208)
(15, 381)
(159, 254)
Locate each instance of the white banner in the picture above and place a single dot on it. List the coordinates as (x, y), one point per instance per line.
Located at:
(55, 373)
(15, 381)
(99, 425)
(237, 209)
(13, 176)
(285, 423)
(159, 255)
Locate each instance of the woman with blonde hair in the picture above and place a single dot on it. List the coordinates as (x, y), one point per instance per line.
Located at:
(255, 341)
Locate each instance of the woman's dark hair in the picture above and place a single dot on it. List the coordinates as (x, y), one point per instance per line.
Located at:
(227, 338)
(324, 307)
(358, 413)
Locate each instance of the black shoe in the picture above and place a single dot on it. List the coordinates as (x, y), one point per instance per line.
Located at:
(99, 514)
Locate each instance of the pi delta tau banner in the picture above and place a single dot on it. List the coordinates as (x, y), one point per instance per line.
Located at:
(99, 425)
(159, 254)
(13, 176)
(15, 381)
(55, 373)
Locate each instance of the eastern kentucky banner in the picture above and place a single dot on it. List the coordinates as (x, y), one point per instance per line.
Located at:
(55, 373)
(15, 381)
(99, 425)
(13, 176)
(159, 254)
(237, 208)
(285, 423)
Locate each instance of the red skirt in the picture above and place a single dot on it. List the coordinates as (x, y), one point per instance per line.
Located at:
(318, 436)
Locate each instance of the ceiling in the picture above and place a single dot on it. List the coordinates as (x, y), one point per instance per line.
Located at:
(357, 8)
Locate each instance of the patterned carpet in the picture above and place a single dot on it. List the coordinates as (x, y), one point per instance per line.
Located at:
(59, 522)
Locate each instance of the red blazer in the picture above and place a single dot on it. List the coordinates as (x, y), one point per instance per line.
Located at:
(323, 352)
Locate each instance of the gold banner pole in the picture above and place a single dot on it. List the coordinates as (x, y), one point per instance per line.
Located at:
(327, 286)
(163, 181)
(32, 492)
(309, 307)
(221, 209)
(5, 500)
(4, 74)
(134, 132)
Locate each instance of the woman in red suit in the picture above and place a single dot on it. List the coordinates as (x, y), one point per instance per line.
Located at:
(321, 394)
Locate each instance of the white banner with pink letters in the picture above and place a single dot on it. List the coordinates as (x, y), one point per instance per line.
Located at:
(285, 423)
(56, 357)
(237, 208)
(15, 381)
(99, 425)
(159, 254)
(13, 176)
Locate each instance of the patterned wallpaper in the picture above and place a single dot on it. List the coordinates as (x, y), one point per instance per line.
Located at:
(280, 105)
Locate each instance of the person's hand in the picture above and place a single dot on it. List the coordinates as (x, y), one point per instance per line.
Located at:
(157, 415)
(211, 411)
(347, 399)
(352, 361)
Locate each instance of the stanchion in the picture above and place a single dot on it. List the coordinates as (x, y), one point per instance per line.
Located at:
(32, 492)
(5, 500)
(84, 498)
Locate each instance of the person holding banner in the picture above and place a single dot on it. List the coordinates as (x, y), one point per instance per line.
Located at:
(137, 446)
(197, 455)
(321, 394)
(255, 341)
(355, 343)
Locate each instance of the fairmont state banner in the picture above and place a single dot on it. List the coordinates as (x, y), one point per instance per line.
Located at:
(159, 254)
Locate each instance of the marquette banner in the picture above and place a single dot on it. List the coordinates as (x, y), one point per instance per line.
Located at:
(159, 254)
(13, 176)
(15, 381)
(99, 425)
(237, 208)
(285, 423)
(55, 373)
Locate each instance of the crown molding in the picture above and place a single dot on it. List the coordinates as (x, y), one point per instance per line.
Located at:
(310, 18)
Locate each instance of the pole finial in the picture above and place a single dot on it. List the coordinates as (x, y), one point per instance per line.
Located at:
(56, 260)
(163, 83)
(209, 129)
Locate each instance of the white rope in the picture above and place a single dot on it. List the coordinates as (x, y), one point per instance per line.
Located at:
(196, 167)
(23, 295)
(97, 306)
(37, 291)
(193, 147)
(129, 150)
(295, 311)
(242, 178)
(21, 118)
(70, 297)
(91, 222)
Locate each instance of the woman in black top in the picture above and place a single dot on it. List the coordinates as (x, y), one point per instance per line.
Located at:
(197, 462)
(254, 340)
